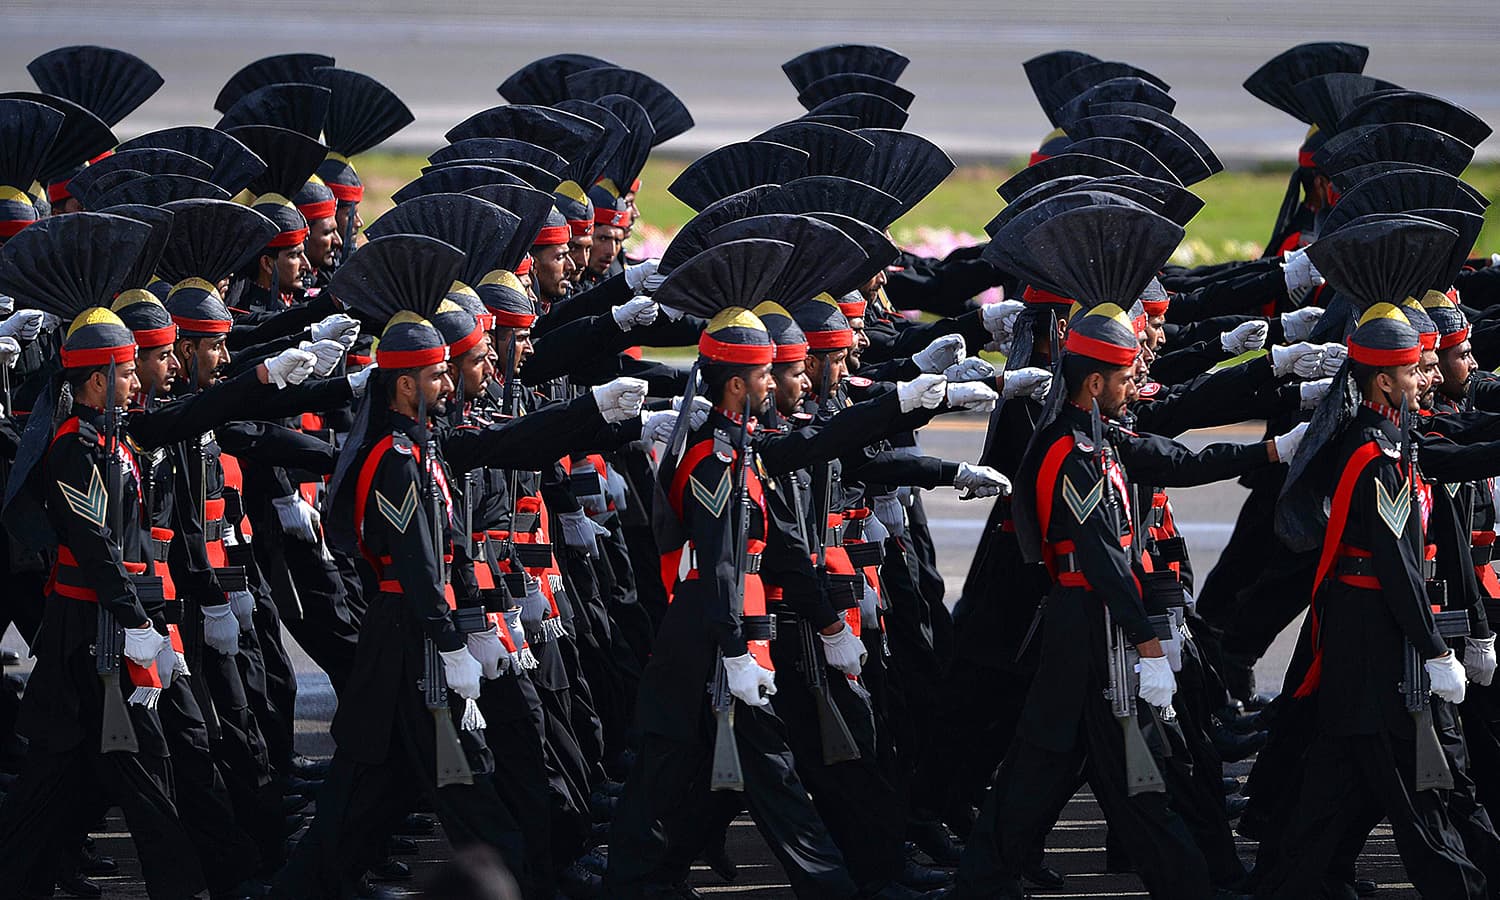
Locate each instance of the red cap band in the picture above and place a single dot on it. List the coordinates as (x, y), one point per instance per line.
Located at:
(554, 234)
(347, 193)
(842, 339)
(320, 209)
(1429, 340)
(736, 354)
(156, 337)
(1103, 351)
(1454, 339)
(203, 326)
(1037, 295)
(524, 268)
(789, 353)
(853, 309)
(97, 356)
(57, 191)
(580, 227)
(359, 359)
(504, 319)
(1156, 307)
(1305, 159)
(411, 359)
(1371, 356)
(11, 227)
(289, 238)
(617, 217)
(465, 344)
(1036, 157)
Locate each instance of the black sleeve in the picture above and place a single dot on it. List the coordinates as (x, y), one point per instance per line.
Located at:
(912, 338)
(1214, 398)
(187, 417)
(526, 442)
(846, 431)
(568, 346)
(944, 288)
(1247, 291)
(261, 326)
(1480, 288)
(593, 302)
(899, 467)
(270, 444)
(1164, 463)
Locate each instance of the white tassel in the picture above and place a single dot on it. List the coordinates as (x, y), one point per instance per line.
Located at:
(181, 668)
(528, 659)
(553, 627)
(145, 696)
(473, 719)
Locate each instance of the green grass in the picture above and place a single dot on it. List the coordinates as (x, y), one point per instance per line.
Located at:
(1238, 211)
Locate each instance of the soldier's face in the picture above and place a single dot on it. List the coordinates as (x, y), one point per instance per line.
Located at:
(126, 382)
(1429, 378)
(1458, 366)
(873, 286)
(323, 242)
(550, 269)
(503, 337)
(606, 247)
(1156, 332)
(1398, 382)
(203, 359)
(826, 369)
(473, 369)
(1113, 389)
(759, 385)
(580, 246)
(861, 341)
(792, 384)
(436, 386)
(157, 368)
(341, 219)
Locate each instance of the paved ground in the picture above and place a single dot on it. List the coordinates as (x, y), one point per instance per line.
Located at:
(1076, 847)
(445, 57)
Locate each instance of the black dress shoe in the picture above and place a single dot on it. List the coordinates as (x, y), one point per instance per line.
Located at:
(579, 883)
(1244, 723)
(390, 870)
(415, 825)
(1235, 747)
(1234, 807)
(916, 875)
(935, 840)
(1231, 786)
(294, 803)
(97, 864)
(1365, 887)
(596, 860)
(292, 824)
(78, 886)
(310, 769)
(1044, 876)
(718, 860)
(371, 891)
(396, 845)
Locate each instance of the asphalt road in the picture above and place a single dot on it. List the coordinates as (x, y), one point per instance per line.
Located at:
(445, 57)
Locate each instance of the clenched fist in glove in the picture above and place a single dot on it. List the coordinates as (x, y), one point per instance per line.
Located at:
(1447, 676)
(657, 426)
(242, 604)
(487, 650)
(843, 650)
(970, 369)
(748, 682)
(298, 518)
(337, 327)
(1287, 444)
(640, 311)
(10, 351)
(636, 275)
(1158, 684)
(221, 630)
(290, 366)
(1313, 392)
(926, 391)
(326, 354)
(143, 644)
(999, 319)
(972, 395)
(1480, 653)
(1298, 325)
(620, 399)
(1030, 382)
(980, 481)
(1245, 337)
(23, 325)
(1303, 360)
(940, 354)
(462, 672)
(1299, 272)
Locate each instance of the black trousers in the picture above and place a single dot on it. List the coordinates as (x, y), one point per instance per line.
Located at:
(516, 737)
(1349, 782)
(361, 801)
(240, 750)
(1023, 805)
(667, 801)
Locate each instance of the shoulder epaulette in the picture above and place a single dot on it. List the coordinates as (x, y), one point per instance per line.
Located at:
(401, 443)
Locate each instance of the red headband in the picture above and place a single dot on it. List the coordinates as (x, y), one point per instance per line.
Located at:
(319, 209)
(1037, 295)
(97, 356)
(852, 309)
(603, 215)
(410, 359)
(789, 353)
(347, 193)
(57, 191)
(1454, 339)
(1103, 351)
(842, 339)
(524, 267)
(735, 354)
(156, 337)
(553, 234)
(1372, 356)
(288, 238)
(580, 227)
(507, 319)
(466, 343)
(11, 227)
(359, 359)
(1036, 157)
(1305, 159)
(1428, 340)
(202, 326)
(1156, 307)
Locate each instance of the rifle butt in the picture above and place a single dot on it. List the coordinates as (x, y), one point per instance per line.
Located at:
(1432, 766)
(117, 734)
(1141, 774)
(452, 765)
(727, 773)
(838, 743)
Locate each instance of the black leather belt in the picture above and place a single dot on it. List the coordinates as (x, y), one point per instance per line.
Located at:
(1365, 566)
(758, 628)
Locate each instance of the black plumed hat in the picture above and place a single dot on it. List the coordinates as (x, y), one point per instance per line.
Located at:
(1045, 70)
(669, 117)
(81, 137)
(586, 168)
(1161, 141)
(732, 274)
(478, 228)
(1393, 142)
(829, 193)
(535, 176)
(840, 83)
(456, 180)
(1032, 196)
(824, 324)
(1115, 90)
(362, 114)
(1177, 203)
(1467, 225)
(159, 220)
(475, 149)
(1274, 81)
(138, 308)
(1076, 81)
(1383, 257)
(563, 133)
(156, 190)
(530, 206)
(823, 256)
(295, 107)
(401, 283)
(865, 59)
(291, 158)
(830, 150)
(1166, 119)
(1059, 166)
(1007, 248)
(1393, 192)
(27, 129)
(907, 166)
(734, 168)
(1127, 153)
(545, 81)
(1467, 198)
(111, 84)
(1103, 254)
(622, 172)
(878, 250)
(1328, 98)
(234, 164)
(286, 68)
(1423, 109)
(692, 238)
(210, 240)
(147, 161)
(869, 110)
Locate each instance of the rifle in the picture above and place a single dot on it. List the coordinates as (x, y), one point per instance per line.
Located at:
(452, 765)
(1416, 686)
(727, 775)
(1141, 773)
(117, 733)
(838, 742)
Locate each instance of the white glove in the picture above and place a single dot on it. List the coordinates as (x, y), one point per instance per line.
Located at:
(524, 657)
(298, 518)
(698, 411)
(658, 426)
(221, 630)
(636, 275)
(971, 369)
(10, 351)
(290, 366)
(926, 391)
(578, 532)
(242, 604)
(1447, 676)
(1299, 272)
(143, 644)
(1480, 653)
(980, 481)
(486, 648)
(166, 663)
(462, 672)
(327, 354)
(875, 530)
(1158, 684)
(843, 650)
(358, 380)
(1333, 358)
(1287, 444)
(1032, 381)
(1303, 360)
(999, 318)
(337, 327)
(620, 399)
(1245, 337)
(1313, 392)
(640, 311)
(49, 321)
(23, 325)
(747, 679)
(940, 354)
(972, 395)
(1299, 324)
